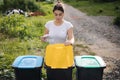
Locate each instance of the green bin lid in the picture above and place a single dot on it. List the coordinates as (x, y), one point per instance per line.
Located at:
(88, 61)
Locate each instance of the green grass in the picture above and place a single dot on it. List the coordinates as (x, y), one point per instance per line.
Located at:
(82, 48)
(17, 47)
(35, 28)
(90, 8)
(1, 2)
(10, 48)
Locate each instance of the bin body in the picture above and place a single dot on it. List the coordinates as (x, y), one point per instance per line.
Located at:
(28, 67)
(59, 74)
(59, 62)
(89, 67)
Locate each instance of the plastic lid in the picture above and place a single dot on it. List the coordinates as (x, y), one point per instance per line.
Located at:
(88, 61)
(59, 56)
(28, 61)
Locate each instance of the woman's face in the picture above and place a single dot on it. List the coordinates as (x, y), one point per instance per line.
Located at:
(58, 15)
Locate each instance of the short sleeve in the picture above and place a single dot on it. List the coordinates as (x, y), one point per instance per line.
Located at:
(47, 25)
(69, 25)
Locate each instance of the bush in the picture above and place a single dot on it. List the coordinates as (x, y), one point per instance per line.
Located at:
(117, 21)
(20, 4)
(102, 0)
(7, 72)
(93, 0)
(13, 26)
(32, 6)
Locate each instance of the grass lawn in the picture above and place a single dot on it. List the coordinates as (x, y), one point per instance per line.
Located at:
(10, 48)
(1, 2)
(108, 9)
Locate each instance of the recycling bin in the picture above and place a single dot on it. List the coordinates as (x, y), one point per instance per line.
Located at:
(28, 67)
(59, 62)
(59, 74)
(89, 67)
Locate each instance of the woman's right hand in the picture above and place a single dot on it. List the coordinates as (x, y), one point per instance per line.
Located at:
(44, 38)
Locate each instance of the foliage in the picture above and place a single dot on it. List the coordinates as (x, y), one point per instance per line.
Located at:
(96, 8)
(13, 45)
(99, 8)
(103, 0)
(20, 4)
(47, 9)
(10, 49)
(13, 26)
(117, 21)
(1, 2)
(32, 6)
(67, 0)
(5, 68)
(17, 26)
(93, 0)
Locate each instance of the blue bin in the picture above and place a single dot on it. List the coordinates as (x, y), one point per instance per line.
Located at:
(89, 67)
(28, 67)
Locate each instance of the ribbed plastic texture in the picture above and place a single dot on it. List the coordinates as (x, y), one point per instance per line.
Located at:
(59, 56)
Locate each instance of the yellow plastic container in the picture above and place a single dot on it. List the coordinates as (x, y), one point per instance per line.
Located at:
(59, 56)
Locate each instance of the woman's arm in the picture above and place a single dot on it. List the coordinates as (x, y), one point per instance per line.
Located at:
(70, 39)
(46, 32)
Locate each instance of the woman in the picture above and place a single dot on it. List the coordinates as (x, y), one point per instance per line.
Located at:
(58, 30)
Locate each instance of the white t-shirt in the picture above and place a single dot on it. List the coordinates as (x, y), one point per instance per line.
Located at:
(57, 34)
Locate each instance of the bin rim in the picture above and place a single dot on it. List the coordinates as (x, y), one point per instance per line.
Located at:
(98, 58)
(19, 58)
(49, 67)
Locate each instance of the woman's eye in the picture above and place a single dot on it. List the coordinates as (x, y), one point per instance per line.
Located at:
(58, 14)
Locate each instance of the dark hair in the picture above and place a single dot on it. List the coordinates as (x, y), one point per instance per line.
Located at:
(58, 6)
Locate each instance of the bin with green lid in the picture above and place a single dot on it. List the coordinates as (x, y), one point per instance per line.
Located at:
(89, 67)
(28, 67)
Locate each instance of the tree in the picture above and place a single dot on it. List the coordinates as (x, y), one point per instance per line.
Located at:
(20, 4)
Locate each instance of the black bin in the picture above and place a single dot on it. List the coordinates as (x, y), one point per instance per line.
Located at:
(89, 67)
(28, 67)
(59, 74)
(59, 61)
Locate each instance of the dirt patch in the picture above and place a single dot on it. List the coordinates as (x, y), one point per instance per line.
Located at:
(112, 71)
(100, 36)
